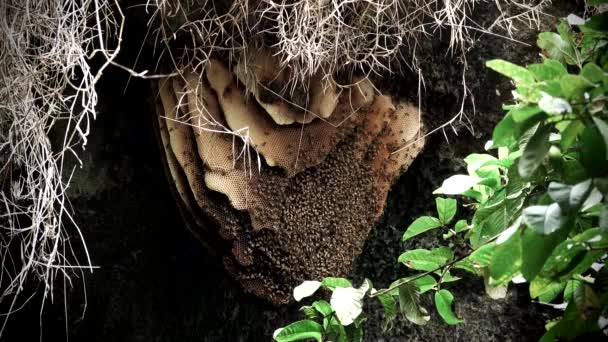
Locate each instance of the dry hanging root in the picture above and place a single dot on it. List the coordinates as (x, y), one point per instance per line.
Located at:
(321, 184)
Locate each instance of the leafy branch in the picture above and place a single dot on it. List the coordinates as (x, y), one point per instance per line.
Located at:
(537, 200)
(410, 280)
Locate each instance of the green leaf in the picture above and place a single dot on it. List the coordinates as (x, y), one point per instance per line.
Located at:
(448, 277)
(421, 225)
(570, 134)
(544, 219)
(443, 302)
(566, 33)
(489, 221)
(334, 330)
(602, 127)
(468, 266)
(526, 130)
(572, 256)
(573, 171)
(483, 255)
(534, 152)
(443, 252)
(491, 178)
(476, 161)
(354, 333)
(446, 209)
(457, 184)
(571, 286)
(573, 86)
(515, 184)
(536, 248)
(503, 131)
(506, 261)
(424, 283)
(596, 2)
(461, 225)
(534, 217)
(475, 195)
(300, 331)
(551, 87)
(549, 70)
(592, 73)
(309, 312)
(556, 47)
(587, 302)
(592, 203)
(569, 327)
(563, 263)
(603, 221)
(519, 74)
(601, 183)
(409, 305)
(598, 22)
(545, 289)
(425, 260)
(579, 193)
(560, 193)
(524, 113)
(593, 152)
(418, 259)
(322, 307)
(389, 305)
(505, 161)
(332, 283)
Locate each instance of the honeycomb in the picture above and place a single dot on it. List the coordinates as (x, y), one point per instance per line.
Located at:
(280, 197)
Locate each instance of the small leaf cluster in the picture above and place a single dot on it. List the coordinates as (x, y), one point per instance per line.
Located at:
(435, 264)
(339, 320)
(535, 203)
(539, 196)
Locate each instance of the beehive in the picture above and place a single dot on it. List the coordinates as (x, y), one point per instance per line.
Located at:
(282, 198)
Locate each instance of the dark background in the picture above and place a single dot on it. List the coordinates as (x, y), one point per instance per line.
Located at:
(157, 283)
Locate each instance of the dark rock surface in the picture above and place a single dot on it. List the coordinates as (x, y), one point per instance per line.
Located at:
(156, 282)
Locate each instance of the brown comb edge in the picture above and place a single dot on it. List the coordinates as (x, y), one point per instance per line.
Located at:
(196, 222)
(415, 148)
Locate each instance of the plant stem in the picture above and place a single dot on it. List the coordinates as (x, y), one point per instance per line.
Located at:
(396, 286)
(381, 292)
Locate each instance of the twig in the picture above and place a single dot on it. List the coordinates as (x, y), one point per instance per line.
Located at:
(398, 285)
